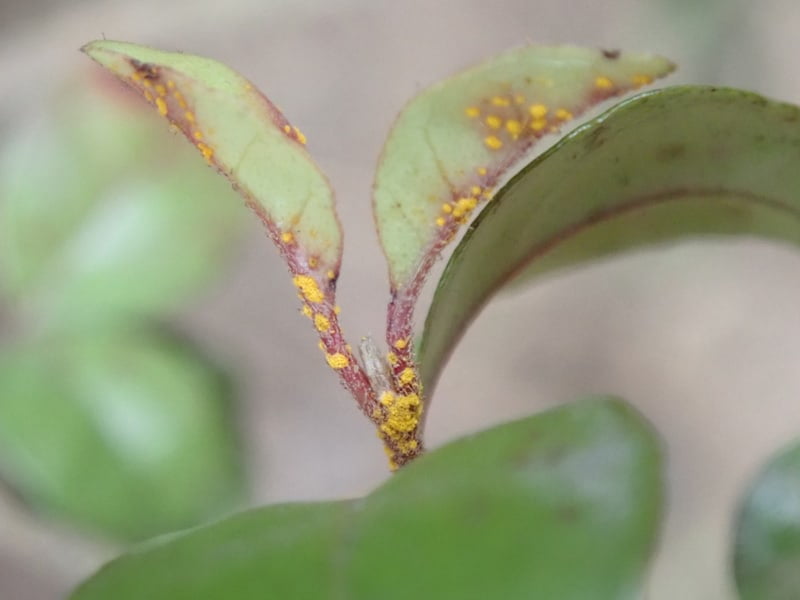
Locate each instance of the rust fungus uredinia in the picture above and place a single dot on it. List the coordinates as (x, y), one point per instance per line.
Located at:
(475, 125)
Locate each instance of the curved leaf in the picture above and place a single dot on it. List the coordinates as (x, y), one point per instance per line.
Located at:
(560, 505)
(91, 206)
(767, 558)
(246, 137)
(667, 164)
(126, 434)
(452, 144)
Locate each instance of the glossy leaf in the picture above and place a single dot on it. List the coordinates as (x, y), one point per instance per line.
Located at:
(127, 434)
(669, 164)
(452, 144)
(246, 137)
(767, 557)
(101, 220)
(560, 505)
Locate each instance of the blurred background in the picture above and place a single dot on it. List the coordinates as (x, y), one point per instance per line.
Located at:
(154, 371)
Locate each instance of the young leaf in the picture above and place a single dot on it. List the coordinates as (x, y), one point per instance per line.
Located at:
(665, 165)
(767, 555)
(125, 434)
(452, 144)
(246, 137)
(560, 505)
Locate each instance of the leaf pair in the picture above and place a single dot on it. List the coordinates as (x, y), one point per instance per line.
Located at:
(447, 151)
(104, 420)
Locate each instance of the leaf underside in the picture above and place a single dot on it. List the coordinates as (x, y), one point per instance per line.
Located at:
(561, 505)
(663, 166)
(452, 143)
(239, 131)
(767, 557)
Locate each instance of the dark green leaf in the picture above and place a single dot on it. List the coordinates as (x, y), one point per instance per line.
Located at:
(561, 505)
(665, 165)
(767, 559)
(126, 434)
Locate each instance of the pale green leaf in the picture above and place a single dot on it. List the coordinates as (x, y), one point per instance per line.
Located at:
(767, 554)
(457, 138)
(560, 505)
(126, 434)
(679, 162)
(246, 137)
(102, 216)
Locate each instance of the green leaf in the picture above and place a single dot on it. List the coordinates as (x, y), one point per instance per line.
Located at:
(560, 505)
(103, 217)
(127, 434)
(767, 558)
(665, 165)
(453, 143)
(246, 137)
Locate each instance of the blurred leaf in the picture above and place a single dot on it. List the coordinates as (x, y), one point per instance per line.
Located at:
(102, 217)
(767, 559)
(665, 165)
(246, 137)
(456, 139)
(128, 434)
(560, 505)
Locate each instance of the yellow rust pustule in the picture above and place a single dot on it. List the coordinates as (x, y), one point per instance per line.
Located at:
(308, 289)
(337, 360)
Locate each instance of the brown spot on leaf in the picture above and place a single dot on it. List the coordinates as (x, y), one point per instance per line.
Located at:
(596, 138)
(611, 54)
(145, 70)
(567, 513)
(670, 151)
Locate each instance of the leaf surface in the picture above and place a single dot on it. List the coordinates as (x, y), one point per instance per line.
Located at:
(127, 434)
(246, 137)
(560, 505)
(663, 166)
(452, 144)
(767, 556)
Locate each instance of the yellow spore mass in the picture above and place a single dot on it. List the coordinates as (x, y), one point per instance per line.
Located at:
(493, 142)
(514, 127)
(306, 310)
(403, 415)
(603, 83)
(287, 237)
(337, 360)
(407, 375)
(494, 121)
(206, 151)
(538, 111)
(161, 106)
(322, 323)
(308, 288)
(387, 398)
(472, 112)
(402, 343)
(300, 136)
(563, 114)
